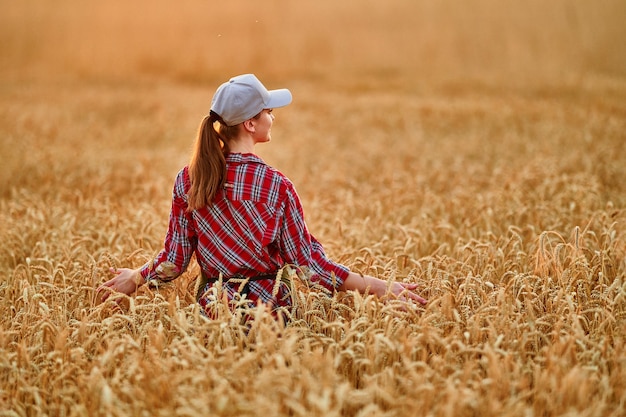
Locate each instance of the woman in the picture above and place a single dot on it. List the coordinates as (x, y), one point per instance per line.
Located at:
(241, 218)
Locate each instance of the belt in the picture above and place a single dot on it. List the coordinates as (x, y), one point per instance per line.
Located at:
(204, 280)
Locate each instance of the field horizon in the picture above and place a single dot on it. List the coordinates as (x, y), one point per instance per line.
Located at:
(475, 149)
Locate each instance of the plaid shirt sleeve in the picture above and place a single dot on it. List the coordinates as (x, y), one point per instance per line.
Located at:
(180, 240)
(299, 247)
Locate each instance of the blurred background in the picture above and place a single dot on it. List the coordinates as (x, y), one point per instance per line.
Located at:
(419, 44)
(471, 98)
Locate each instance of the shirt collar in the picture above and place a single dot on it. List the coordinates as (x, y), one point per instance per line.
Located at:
(243, 158)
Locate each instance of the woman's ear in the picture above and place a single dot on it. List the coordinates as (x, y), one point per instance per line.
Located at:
(249, 125)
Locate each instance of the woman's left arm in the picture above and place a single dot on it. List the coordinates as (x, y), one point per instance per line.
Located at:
(172, 260)
(126, 281)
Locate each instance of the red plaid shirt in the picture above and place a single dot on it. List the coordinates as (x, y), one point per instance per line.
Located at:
(254, 226)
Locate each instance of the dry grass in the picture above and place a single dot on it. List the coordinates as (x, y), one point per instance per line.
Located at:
(476, 149)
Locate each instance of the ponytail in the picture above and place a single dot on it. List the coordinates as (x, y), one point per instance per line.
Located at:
(207, 168)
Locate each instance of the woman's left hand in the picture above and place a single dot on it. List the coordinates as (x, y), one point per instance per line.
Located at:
(126, 281)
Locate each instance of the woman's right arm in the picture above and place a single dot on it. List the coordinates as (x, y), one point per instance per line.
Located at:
(299, 247)
(366, 284)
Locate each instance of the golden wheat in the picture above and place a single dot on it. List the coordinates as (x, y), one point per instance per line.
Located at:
(474, 149)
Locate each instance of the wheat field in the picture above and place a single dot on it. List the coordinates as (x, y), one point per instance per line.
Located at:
(475, 148)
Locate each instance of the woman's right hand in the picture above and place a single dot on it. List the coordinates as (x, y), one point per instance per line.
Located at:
(364, 283)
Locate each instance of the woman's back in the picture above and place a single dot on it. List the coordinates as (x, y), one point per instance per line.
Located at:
(239, 233)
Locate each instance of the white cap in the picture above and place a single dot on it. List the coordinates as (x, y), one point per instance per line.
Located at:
(243, 97)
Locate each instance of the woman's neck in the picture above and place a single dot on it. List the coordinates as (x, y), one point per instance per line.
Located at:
(242, 144)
